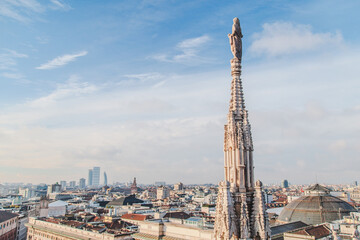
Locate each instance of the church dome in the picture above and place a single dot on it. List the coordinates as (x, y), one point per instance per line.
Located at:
(317, 206)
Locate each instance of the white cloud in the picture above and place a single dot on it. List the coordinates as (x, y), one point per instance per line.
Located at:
(145, 76)
(297, 109)
(151, 79)
(73, 87)
(8, 59)
(281, 38)
(20, 10)
(192, 43)
(61, 60)
(27, 10)
(58, 4)
(11, 75)
(8, 64)
(188, 50)
(338, 146)
(79, 126)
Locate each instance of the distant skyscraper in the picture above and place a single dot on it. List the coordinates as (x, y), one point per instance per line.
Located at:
(72, 184)
(82, 183)
(96, 176)
(285, 183)
(54, 188)
(90, 177)
(105, 179)
(63, 185)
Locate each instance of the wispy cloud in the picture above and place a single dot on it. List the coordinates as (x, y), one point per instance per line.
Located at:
(281, 38)
(8, 59)
(150, 79)
(145, 76)
(26, 10)
(61, 60)
(187, 49)
(58, 4)
(12, 75)
(8, 64)
(73, 87)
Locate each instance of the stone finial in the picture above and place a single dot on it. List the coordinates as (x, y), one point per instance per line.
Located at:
(235, 39)
(258, 183)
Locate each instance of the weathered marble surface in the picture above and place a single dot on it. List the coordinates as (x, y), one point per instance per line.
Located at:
(240, 209)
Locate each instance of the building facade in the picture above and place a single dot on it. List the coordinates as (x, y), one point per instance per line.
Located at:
(240, 209)
(179, 186)
(162, 192)
(168, 230)
(8, 225)
(54, 188)
(22, 229)
(39, 229)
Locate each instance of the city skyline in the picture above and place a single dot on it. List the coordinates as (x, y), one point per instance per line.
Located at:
(140, 89)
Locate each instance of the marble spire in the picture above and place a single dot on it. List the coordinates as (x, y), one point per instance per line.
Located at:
(240, 203)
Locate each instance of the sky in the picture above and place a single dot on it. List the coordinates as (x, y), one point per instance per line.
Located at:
(142, 89)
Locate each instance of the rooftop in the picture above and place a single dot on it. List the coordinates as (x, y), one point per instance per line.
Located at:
(133, 216)
(315, 231)
(287, 227)
(5, 215)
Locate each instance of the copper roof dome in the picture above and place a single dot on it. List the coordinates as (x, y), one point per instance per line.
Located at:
(317, 206)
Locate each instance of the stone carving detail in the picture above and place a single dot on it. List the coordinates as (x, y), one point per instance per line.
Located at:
(235, 39)
(225, 218)
(244, 219)
(240, 209)
(261, 221)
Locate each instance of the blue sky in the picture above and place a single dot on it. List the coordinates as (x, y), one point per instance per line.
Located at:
(141, 89)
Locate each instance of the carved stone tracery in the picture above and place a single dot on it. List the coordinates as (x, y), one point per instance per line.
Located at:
(240, 209)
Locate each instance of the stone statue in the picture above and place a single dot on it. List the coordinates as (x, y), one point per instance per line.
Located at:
(235, 39)
(244, 222)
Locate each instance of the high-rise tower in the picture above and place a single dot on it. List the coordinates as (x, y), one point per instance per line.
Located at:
(90, 177)
(240, 209)
(96, 176)
(105, 179)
